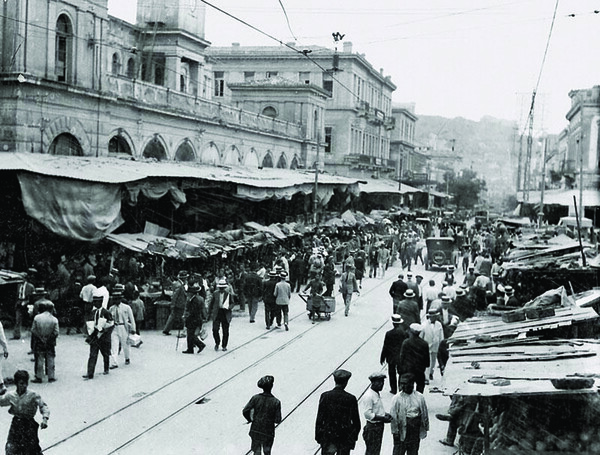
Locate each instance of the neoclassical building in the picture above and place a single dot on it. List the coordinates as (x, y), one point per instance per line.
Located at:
(76, 81)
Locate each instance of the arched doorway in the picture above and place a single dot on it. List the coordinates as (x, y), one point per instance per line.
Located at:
(185, 152)
(232, 157)
(267, 160)
(282, 162)
(211, 155)
(295, 163)
(155, 149)
(65, 144)
(118, 146)
(251, 159)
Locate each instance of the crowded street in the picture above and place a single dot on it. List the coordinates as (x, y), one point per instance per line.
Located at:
(168, 403)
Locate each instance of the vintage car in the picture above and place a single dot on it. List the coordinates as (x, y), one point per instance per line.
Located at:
(441, 252)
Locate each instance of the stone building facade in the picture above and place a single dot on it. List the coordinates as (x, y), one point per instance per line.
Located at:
(358, 111)
(583, 138)
(76, 81)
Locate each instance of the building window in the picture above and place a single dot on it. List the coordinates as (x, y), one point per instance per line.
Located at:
(183, 80)
(63, 46)
(219, 83)
(116, 64)
(249, 76)
(131, 68)
(328, 83)
(304, 77)
(328, 133)
(271, 74)
(269, 111)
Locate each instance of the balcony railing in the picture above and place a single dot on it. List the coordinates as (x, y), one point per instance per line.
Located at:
(190, 105)
(370, 162)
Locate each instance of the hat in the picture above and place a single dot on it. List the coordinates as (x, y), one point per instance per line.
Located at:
(183, 274)
(97, 297)
(432, 311)
(397, 319)
(451, 267)
(446, 298)
(415, 327)
(272, 273)
(194, 288)
(419, 276)
(40, 291)
(341, 375)
(409, 274)
(471, 267)
(91, 277)
(266, 382)
(118, 289)
(31, 270)
(377, 376)
(283, 274)
(114, 271)
(460, 291)
(401, 275)
(222, 283)
(509, 290)
(409, 293)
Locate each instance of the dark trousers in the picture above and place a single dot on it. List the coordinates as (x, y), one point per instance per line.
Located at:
(275, 315)
(252, 307)
(410, 445)
(192, 338)
(373, 436)
(221, 320)
(263, 443)
(394, 376)
(101, 345)
(295, 282)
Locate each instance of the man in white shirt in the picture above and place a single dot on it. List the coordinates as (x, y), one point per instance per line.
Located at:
(124, 325)
(375, 415)
(87, 294)
(410, 419)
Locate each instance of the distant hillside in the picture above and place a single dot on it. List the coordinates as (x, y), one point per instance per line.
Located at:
(489, 147)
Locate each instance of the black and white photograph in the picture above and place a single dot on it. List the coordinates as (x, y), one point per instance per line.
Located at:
(247, 227)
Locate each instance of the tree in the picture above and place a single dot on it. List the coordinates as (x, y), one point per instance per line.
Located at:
(464, 188)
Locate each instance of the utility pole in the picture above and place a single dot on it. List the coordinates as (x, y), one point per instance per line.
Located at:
(541, 216)
(316, 188)
(580, 150)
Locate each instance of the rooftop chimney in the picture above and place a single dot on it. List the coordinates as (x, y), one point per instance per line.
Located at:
(348, 47)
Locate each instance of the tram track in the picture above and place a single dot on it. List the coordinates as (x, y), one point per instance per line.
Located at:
(198, 399)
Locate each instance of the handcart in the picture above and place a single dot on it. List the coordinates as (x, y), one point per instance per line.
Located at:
(318, 307)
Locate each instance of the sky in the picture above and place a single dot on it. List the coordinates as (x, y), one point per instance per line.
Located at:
(459, 58)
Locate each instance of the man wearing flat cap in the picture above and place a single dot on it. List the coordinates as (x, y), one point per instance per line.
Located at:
(390, 353)
(338, 420)
(414, 356)
(263, 412)
(375, 415)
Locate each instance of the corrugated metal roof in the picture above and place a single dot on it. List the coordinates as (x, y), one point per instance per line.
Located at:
(116, 170)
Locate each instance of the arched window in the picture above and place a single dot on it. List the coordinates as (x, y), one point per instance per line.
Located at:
(65, 144)
(63, 49)
(131, 68)
(185, 152)
(116, 64)
(267, 161)
(282, 162)
(269, 111)
(118, 146)
(155, 150)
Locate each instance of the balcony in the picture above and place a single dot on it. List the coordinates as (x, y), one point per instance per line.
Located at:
(156, 96)
(357, 161)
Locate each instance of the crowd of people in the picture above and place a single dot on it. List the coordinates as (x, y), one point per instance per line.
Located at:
(101, 295)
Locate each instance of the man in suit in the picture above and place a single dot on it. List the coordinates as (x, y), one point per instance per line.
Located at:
(44, 331)
(414, 356)
(178, 300)
(390, 353)
(219, 311)
(195, 313)
(338, 420)
(99, 339)
(24, 295)
(397, 290)
(124, 325)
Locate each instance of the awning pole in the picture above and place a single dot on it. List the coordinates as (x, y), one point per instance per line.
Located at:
(583, 262)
